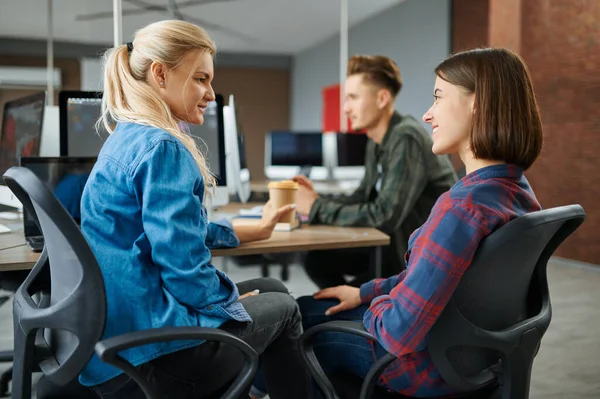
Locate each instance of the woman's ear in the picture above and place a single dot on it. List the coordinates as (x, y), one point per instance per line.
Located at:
(158, 74)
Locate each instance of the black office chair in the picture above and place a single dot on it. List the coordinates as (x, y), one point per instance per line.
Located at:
(486, 338)
(60, 331)
(9, 281)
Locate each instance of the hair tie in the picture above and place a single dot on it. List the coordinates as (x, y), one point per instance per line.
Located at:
(129, 46)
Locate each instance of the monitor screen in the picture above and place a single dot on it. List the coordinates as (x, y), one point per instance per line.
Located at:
(210, 138)
(65, 177)
(21, 130)
(351, 149)
(296, 149)
(79, 112)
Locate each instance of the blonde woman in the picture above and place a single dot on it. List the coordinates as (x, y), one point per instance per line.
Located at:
(143, 215)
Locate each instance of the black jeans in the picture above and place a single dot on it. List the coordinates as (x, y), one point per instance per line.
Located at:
(327, 268)
(205, 371)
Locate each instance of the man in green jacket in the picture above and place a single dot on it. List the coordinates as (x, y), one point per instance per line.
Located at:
(402, 181)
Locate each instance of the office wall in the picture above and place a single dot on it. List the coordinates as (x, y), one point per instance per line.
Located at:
(262, 98)
(470, 22)
(69, 69)
(559, 41)
(91, 74)
(70, 76)
(561, 45)
(415, 33)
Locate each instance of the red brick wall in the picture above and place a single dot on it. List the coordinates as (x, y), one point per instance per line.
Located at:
(469, 24)
(505, 27)
(561, 45)
(560, 41)
(469, 30)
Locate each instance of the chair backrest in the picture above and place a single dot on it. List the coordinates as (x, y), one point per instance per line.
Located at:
(60, 331)
(505, 286)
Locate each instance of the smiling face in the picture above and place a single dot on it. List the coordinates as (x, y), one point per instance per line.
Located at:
(450, 117)
(187, 88)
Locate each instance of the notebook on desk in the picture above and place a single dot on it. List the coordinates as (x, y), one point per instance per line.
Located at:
(240, 220)
(66, 178)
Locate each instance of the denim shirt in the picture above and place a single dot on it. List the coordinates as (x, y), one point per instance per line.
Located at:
(143, 217)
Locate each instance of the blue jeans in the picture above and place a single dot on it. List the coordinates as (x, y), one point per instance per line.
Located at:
(336, 352)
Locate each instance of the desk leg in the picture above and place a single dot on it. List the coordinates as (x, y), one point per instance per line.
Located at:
(264, 267)
(378, 266)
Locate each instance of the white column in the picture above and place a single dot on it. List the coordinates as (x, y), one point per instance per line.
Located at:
(343, 60)
(50, 57)
(117, 22)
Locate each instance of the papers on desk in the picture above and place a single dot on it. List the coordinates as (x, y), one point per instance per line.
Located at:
(255, 212)
(252, 218)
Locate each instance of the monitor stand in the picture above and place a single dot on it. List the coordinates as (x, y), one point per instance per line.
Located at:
(305, 170)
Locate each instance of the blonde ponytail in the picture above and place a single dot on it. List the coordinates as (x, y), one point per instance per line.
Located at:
(129, 98)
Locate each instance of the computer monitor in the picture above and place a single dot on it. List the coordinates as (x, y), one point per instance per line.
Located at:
(210, 138)
(350, 156)
(78, 112)
(288, 153)
(238, 174)
(22, 121)
(66, 178)
(351, 149)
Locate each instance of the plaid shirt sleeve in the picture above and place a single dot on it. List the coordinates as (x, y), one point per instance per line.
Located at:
(439, 257)
(400, 189)
(379, 286)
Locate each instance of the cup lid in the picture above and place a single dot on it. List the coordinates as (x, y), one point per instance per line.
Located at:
(284, 184)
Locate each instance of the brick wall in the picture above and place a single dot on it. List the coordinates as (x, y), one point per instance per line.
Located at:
(469, 24)
(560, 41)
(561, 45)
(469, 30)
(505, 24)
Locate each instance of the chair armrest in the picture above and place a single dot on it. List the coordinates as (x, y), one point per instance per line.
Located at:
(349, 327)
(108, 350)
(6, 356)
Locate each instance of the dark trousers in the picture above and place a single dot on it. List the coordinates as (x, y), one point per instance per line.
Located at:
(206, 370)
(328, 268)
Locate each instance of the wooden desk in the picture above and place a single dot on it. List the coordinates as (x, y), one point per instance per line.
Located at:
(16, 255)
(17, 258)
(310, 238)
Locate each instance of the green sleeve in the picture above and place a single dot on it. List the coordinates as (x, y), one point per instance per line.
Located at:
(403, 182)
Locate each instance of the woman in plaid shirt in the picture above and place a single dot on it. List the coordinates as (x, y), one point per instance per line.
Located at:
(485, 110)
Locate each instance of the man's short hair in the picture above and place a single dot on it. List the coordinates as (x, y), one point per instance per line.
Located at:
(377, 70)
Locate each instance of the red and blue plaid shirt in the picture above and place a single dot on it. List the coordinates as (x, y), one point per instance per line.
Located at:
(403, 308)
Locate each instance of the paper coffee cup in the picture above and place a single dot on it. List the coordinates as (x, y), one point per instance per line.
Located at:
(283, 193)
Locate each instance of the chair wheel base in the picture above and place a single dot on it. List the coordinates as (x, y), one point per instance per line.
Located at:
(5, 378)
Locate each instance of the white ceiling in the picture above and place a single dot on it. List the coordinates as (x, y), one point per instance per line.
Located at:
(273, 26)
